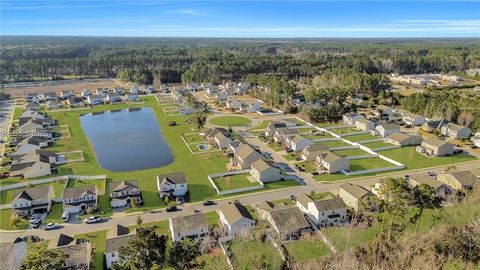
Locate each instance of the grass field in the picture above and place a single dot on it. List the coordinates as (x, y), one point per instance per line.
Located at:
(338, 143)
(97, 239)
(318, 136)
(231, 121)
(262, 126)
(234, 182)
(344, 130)
(350, 152)
(5, 215)
(305, 250)
(374, 145)
(361, 137)
(255, 255)
(368, 163)
(193, 138)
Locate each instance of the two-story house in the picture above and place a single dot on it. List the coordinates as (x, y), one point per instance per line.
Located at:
(123, 193)
(116, 238)
(28, 201)
(235, 219)
(193, 226)
(172, 184)
(245, 156)
(79, 199)
(323, 213)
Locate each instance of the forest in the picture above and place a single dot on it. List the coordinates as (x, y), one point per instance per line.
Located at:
(172, 60)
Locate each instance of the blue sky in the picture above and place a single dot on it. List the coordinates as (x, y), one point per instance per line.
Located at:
(241, 18)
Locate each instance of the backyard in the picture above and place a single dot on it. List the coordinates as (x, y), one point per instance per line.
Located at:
(373, 145)
(249, 254)
(361, 137)
(368, 163)
(304, 250)
(234, 182)
(231, 121)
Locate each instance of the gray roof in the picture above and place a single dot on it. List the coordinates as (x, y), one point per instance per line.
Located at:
(304, 199)
(389, 126)
(34, 193)
(421, 178)
(332, 157)
(317, 147)
(114, 244)
(123, 185)
(434, 142)
(467, 177)
(76, 192)
(12, 255)
(355, 190)
(245, 151)
(62, 240)
(455, 127)
(288, 218)
(189, 223)
(260, 165)
(173, 178)
(330, 204)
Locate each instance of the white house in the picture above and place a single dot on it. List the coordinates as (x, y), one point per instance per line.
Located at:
(332, 163)
(350, 118)
(86, 93)
(264, 172)
(28, 201)
(116, 238)
(311, 152)
(235, 219)
(79, 199)
(323, 213)
(297, 143)
(123, 193)
(221, 140)
(385, 129)
(455, 131)
(233, 104)
(173, 184)
(113, 98)
(352, 194)
(435, 147)
(364, 124)
(193, 226)
(95, 100)
(413, 119)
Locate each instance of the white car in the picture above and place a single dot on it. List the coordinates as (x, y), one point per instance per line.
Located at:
(65, 216)
(34, 218)
(93, 219)
(51, 226)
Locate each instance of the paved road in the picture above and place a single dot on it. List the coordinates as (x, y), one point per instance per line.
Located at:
(72, 229)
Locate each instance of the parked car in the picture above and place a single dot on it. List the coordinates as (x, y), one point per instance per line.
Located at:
(293, 197)
(34, 218)
(93, 219)
(51, 226)
(432, 174)
(36, 224)
(5, 175)
(65, 216)
(172, 209)
(406, 177)
(208, 203)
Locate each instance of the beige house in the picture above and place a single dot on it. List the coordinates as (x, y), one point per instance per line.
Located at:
(245, 156)
(116, 238)
(78, 251)
(281, 134)
(364, 124)
(79, 199)
(193, 226)
(461, 180)
(436, 147)
(311, 152)
(264, 172)
(386, 129)
(352, 194)
(236, 220)
(327, 212)
(33, 200)
(455, 131)
(332, 163)
(402, 139)
(221, 140)
(287, 220)
(435, 123)
(413, 119)
(297, 143)
(441, 189)
(123, 193)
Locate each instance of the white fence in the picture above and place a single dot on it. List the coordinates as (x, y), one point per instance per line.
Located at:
(231, 191)
(50, 180)
(383, 169)
(354, 133)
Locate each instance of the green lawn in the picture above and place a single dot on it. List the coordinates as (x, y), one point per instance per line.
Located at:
(344, 130)
(308, 166)
(361, 137)
(97, 239)
(16, 113)
(275, 147)
(318, 136)
(214, 260)
(341, 237)
(255, 255)
(374, 145)
(350, 152)
(100, 183)
(234, 182)
(413, 160)
(303, 130)
(368, 163)
(56, 214)
(5, 215)
(193, 138)
(7, 196)
(263, 125)
(291, 156)
(337, 143)
(305, 250)
(230, 121)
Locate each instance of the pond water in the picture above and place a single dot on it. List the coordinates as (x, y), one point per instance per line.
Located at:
(126, 140)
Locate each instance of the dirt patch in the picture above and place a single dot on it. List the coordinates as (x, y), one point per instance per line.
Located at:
(57, 86)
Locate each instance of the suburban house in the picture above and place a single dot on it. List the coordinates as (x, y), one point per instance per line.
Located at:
(32, 106)
(383, 110)
(364, 124)
(185, 110)
(150, 89)
(434, 124)
(67, 94)
(28, 115)
(352, 194)
(172, 184)
(327, 212)
(123, 193)
(413, 119)
(264, 172)
(221, 140)
(441, 189)
(86, 93)
(222, 98)
(95, 100)
(332, 163)
(192, 87)
(350, 118)
(132, 97)
(31, 125)
(135, 90)
(103, 92)
(209, 134)
(50, 96)
(30, 165)
(53, 104)
(79, 199)
(119, 91)
(233, 104)
(281, 134)
(402, 139)
(385, 129)
(211, 90)
(287, 220)
(455, 131)
(461, 179)
(245, 156)
(193, 226)
(311, 152)
(28, 201)
(273, 126)
(297, 143)
(75, 102)
(436, 147)
(476, 139)
(29, 144)
(116, 238)
(113, 98)
(236, 220)
(177, 96)
(13, 254)
(250, 107)
(78, 251)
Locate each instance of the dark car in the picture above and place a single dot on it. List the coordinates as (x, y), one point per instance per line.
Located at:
(172, 209)
(208, 203)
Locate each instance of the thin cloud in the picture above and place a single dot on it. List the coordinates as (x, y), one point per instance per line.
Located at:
(190, 12)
